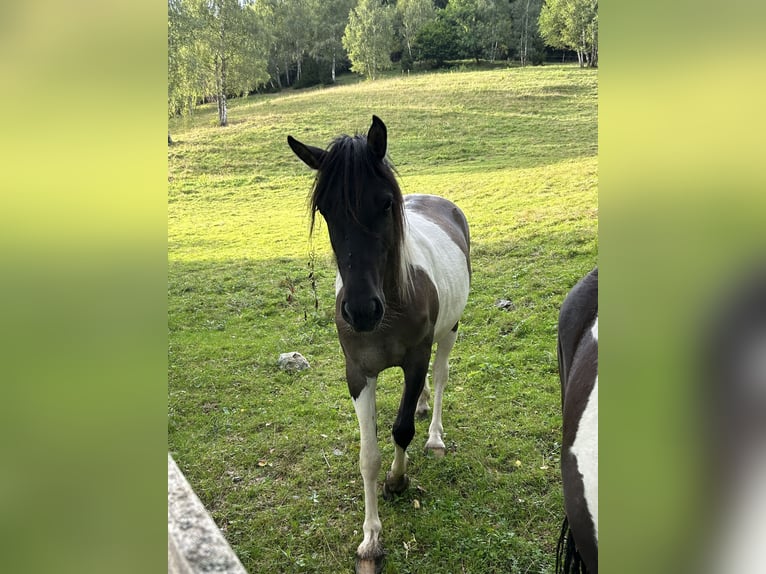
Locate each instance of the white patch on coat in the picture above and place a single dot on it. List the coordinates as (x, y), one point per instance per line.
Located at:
(585, 447)
(430, 248)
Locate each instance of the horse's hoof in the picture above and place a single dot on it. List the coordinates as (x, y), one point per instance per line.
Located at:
(422, 413)
(369, 566)
(392, 487)
(438, 451)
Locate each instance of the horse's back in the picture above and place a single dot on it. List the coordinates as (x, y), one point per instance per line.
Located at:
(444, 213)
(438, 241)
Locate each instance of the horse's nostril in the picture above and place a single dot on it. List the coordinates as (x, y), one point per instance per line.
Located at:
(344, 311)
(377, 308)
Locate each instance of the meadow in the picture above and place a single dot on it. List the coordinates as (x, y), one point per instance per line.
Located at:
(274, 455)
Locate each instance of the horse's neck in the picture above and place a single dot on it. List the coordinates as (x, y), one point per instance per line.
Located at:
(397, 283)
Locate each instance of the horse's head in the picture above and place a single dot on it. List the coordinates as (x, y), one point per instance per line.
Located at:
(357, 194)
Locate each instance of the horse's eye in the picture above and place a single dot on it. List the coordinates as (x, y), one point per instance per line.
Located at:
(388, 204)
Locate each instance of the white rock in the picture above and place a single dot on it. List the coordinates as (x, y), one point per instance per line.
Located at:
(293, 362)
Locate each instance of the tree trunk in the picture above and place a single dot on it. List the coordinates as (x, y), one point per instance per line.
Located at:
(524, 36)
(222, 111)
(333, 66)
(594, 51)
(223, 119)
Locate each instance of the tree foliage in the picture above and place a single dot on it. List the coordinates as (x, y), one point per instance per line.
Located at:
(467, 29)
(413, 15)
(436, 41)
(330, 18)
(573, 25)
(369, 37)
(219, 49)
(215, 50)
(526, 42)
(186, 82)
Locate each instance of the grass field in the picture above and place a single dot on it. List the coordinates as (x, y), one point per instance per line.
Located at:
(274, 456)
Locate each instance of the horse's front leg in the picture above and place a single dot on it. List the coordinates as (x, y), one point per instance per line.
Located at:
(415, 369)
(369, 554)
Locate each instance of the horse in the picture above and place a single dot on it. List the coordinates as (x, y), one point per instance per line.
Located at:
(402, 282)
(577, 549)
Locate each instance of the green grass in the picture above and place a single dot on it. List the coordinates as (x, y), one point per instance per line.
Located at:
(273, 455)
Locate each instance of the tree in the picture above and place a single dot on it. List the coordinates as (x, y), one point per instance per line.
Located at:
(329, 21)
(572, 25)
(215, 50)
(413, 15)
(186, 83)
(529, 44)
(369, 37)
(493, 27)
(481, 27)
(436, 41)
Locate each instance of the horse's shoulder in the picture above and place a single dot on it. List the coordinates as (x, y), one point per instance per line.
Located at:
(578, 314)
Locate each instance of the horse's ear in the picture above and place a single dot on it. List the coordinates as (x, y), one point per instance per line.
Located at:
(310, 155)
(377, 137)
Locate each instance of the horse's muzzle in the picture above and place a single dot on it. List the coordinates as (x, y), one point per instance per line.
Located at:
(363, 317)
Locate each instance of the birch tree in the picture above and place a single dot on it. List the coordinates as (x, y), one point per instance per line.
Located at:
(187, 83)
(215, 50)
(414, 14)
(529, 44)
(369, 37)
(572, 25)
(235, 54)
(329, 20)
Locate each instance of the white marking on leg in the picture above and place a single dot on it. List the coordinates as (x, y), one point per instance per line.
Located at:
(441, 374)
(594, 329)
(585, 450)
(422, 407)
(399, 464)
(369, 464)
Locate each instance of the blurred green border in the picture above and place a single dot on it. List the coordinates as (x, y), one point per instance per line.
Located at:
(83, 232)
(83, 288)
(682, 200)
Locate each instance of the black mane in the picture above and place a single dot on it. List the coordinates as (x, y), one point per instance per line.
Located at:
(348, 171)
(345, 173)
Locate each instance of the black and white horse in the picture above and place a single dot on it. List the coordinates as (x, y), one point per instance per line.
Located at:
(402, 284)
(578, 371)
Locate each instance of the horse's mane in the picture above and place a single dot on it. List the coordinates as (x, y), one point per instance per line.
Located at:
(347, 169)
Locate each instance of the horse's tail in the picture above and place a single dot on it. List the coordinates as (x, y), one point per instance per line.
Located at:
(568, 560)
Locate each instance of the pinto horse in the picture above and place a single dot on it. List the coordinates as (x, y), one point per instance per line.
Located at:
(578, 370)
(402, 284)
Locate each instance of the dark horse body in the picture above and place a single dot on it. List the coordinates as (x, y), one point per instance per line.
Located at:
(578, 371)
(402, 284)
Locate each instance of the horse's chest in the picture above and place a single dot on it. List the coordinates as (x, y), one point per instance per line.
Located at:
(375, 352)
